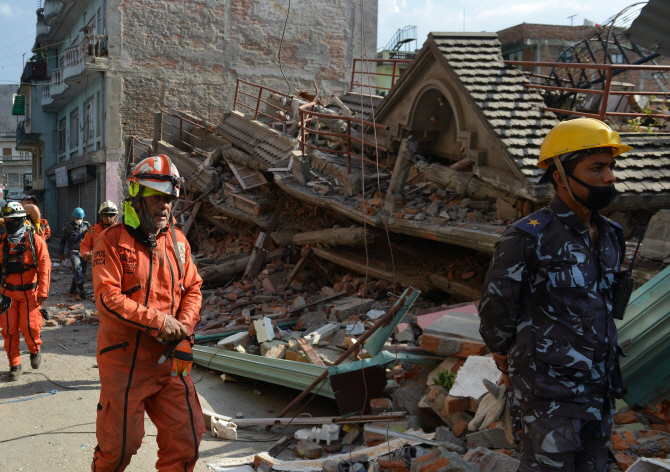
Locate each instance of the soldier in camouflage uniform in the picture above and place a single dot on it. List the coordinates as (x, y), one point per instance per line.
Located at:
(546, 310)
(73, 234)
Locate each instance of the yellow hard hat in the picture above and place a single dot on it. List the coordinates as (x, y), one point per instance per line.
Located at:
(579, 134)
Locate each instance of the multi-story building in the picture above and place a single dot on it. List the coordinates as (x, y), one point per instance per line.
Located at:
(16, 172)
(113, 63)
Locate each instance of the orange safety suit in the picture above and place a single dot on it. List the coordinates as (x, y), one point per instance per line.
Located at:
(44, 231)
(91, 238)
(23, 288)
(135, 288)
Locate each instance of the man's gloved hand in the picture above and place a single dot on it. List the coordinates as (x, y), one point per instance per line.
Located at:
(490, 408)
(182, 358)
(87, 257)
(172, 330)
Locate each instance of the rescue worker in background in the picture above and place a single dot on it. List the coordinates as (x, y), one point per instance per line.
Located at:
(147, 291)
(546, 309)
(29, 203)
(107, 212)
(3, 204)
(73, 234)
(25, 279)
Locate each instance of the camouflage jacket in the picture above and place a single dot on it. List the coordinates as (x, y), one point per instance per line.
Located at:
(547, 303)
(72, 236)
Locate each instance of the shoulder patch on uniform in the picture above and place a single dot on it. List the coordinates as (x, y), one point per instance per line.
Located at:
(614, 223)
(91, 230)
(533, 224)
(182, 251)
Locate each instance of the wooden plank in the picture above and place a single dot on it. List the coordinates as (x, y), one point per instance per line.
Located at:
(296, 270)
(279, 446)
(311, 353)
(318, 302)
(454, 287)
(262, 243)
(191, 218)
(247, 178)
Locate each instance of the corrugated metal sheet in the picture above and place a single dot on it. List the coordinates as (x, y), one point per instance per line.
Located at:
(646, 370)
(650, 29)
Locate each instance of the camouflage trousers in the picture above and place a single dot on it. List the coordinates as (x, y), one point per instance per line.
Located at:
(79, 265)
(558, 443)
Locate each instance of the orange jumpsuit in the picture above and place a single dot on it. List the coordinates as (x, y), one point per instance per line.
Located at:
(24, 315)
(91, 238)
(45, 231)
(135, 288)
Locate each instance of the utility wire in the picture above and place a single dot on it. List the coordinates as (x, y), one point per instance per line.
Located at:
(281, 42)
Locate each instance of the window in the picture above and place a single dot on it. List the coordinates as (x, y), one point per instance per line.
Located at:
(617, 58)
(89, 126)
(39, 165)
(27, 182)
(13, 180)
(61, 135)
(516, 56)
(74, 129)
(6, 151)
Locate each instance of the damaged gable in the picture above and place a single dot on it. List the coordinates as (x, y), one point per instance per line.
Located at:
(499, 124)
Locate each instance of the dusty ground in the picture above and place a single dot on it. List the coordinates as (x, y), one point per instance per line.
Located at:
(57, 432)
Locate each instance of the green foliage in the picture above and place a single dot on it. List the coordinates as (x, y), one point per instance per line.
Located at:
(445, 379)
(649, 123)
(39, 55)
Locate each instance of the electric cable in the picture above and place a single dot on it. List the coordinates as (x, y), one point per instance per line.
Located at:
(281, 42)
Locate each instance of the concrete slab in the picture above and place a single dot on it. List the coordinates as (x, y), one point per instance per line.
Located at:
(456, 324)
(426, 320)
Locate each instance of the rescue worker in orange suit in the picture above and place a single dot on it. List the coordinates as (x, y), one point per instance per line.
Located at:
(29, 203)
(147, 291)
(107, 212)
(26, 274)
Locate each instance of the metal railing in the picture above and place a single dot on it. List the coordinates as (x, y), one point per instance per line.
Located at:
(138, 151)
(256, 95)
(606, 92)
(394, 75)
(182, 131)
(306, 118)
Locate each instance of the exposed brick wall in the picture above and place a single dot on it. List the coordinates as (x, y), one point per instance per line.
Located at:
(188, 54)
(535, 31)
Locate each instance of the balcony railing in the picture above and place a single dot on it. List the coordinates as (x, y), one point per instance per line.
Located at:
(372, 82)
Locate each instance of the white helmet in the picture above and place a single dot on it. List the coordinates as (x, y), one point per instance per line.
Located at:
(108, 206)
(13, 210)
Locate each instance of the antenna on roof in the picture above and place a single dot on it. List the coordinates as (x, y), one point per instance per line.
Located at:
(572, 19)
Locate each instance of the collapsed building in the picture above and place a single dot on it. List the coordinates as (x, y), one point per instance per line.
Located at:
(313, 217)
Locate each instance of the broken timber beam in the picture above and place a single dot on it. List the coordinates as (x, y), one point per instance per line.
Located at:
(466, 184)
(456, 288)
(403, 165)
(296, 270)
(226, 270)
(310, 352)
(260, 248)
(354, 236)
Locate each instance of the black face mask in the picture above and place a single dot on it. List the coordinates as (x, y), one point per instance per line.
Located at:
(12, 225)
(598, 198)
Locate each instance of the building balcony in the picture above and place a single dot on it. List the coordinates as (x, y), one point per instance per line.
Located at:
(53, 19)
(81, 63)
(34, 71)
(25, 141)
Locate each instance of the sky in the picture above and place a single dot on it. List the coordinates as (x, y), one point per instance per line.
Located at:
(17, 20)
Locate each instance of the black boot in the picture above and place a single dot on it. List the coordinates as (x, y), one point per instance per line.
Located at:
(36, 360)
(82, 292)
(73, 289)
(15, 373)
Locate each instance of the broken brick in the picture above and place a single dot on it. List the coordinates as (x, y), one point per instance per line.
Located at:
(624, 461)
(308, 450)
(619, 443)
(459, 427)
(380, 405)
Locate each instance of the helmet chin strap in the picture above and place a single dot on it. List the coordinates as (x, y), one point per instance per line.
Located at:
(561, 171)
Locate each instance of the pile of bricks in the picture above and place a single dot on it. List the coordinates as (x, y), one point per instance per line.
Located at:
(69, 315)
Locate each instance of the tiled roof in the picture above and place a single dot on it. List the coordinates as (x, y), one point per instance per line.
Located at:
(646, 169)
(512, 109)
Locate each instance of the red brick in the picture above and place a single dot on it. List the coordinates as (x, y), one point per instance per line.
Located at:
(624, 461)
(69, 321)
(392, 466)
(660, 427)
(412, 211)
(472, 348)
(459, 427)
(626, 417)
(454, 405)
(398, 216)
(51, 323)
(380, 405)
(231, 297)
(619, 443)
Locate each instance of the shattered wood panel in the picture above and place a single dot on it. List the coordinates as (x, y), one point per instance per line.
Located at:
(269, 146)
(352, 100)
(473, 237)
(260, 220)
(196, 179)
(246, 177)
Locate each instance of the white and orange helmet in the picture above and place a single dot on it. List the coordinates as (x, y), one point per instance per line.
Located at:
(158, 173)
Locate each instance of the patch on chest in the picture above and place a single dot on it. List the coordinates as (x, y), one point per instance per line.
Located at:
(128, 260)
(182, 251)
